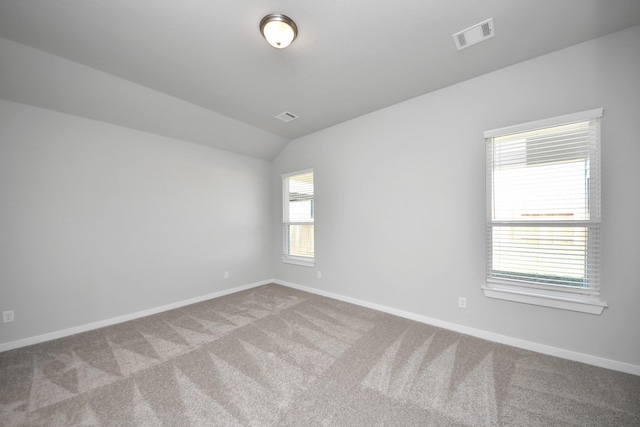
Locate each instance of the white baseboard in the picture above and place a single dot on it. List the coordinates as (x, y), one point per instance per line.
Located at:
(108, 322)
(479, 333)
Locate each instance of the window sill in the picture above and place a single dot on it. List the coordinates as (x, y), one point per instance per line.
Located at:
(565, 301)
(305, 262)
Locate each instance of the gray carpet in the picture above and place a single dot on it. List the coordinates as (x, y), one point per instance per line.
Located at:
(274, 356)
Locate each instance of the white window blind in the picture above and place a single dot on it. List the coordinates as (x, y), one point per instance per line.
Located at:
(298, 218)
(543, 212)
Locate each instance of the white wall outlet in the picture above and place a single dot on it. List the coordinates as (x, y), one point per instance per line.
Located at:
(8, 316)
(318, 275)
(226, 274)
(462, 302)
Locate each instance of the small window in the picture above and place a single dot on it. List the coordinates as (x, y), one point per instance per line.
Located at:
(543, 213)
(298, 218)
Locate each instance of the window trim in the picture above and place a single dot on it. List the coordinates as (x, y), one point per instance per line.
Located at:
(582, 301)
(298, 260)
(563, 300)
(294, 259)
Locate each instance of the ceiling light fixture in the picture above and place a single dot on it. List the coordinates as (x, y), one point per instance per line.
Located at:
(279, 30)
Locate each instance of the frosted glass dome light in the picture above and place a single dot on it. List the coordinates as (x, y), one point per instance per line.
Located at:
(279, 30)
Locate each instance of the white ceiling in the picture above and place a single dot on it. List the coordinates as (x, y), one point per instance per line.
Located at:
(351, 57)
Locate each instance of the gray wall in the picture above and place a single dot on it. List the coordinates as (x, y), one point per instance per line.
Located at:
(99, 221)
(400, 198)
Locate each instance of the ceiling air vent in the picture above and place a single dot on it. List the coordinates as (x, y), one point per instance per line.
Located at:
(286, 117)
(476, 34)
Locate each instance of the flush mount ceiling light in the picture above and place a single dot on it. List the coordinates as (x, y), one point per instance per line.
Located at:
(279, 30)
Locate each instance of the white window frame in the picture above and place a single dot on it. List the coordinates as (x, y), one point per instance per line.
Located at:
(286, 257)
(547, 295)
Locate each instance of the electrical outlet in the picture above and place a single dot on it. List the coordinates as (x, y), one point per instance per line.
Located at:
(462, 302)
(226, 274)
(318, 275)
(8, 316)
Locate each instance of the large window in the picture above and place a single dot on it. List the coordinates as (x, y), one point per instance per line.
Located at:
(298, 217)
(543, 212)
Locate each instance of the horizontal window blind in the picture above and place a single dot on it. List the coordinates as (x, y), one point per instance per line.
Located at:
(557, 256)
(298, 215)
(543, 205)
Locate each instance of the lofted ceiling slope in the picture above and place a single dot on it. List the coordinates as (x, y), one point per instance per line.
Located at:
(199, 70)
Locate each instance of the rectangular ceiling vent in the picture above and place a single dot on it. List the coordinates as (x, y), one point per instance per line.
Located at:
(476, 34)
(286, 117)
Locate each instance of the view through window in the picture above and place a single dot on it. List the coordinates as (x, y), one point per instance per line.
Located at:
(543, 209)
(539, 180)
(298, 212)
